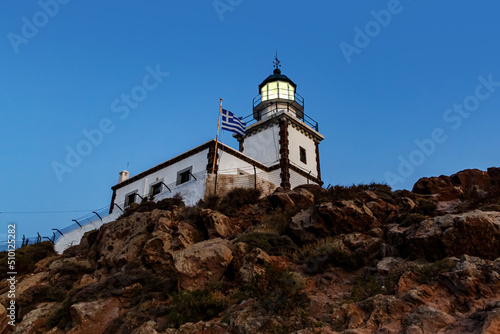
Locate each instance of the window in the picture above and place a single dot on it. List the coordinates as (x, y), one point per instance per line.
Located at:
(184, 175)
(155, 189)
(302, 152)
(273, 90)
(278, 89)
(129, 199)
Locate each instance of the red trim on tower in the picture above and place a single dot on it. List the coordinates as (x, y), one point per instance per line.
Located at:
(284, 154)
(317, 160)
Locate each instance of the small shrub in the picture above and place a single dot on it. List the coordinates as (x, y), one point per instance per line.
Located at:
(430, 272)
(191, 214)
(278, 220)
(237, 198)
(147, 206)
(346, 193)
(278, 291)
(268, 242)
(425, 207)
(60, 317)
(256, 240)
(27, 257)
(316, 257)
(71, 269)
(169, 203)
(210, 202)
(194, 306)
(365, 287)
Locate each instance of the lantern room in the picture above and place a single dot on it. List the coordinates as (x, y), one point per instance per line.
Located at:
(277, 93)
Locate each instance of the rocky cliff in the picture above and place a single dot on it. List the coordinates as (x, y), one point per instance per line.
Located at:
(359, 259)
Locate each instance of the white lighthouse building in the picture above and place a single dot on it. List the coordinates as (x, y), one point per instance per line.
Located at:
(280, 149)
(283, 137)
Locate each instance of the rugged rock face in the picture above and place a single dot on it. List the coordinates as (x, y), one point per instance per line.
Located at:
(475, 233)
(299, 197)
(332, 219)
(94, 317)
(219, 225)
(203, 263)
(360, 259)
(447, 188)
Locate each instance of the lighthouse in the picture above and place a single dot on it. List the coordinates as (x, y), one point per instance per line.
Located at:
(279, 148)
(282, 136)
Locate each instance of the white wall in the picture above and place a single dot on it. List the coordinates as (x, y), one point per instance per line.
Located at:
(74, 237)
(168, 174)
(229, 164)
(191, 191)
(296, 179)
(296, 139)
(263, 146)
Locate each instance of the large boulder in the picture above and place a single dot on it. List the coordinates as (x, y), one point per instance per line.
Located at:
(122, 241)
(451, 188)
(471, 278)
(471, 177)
(35, 319)
(94, 317)
(474, 233)
(429, 319)
(347, 217)
(441, 187)
(166, 240)
(203, 263)
(332, 219)
(494, 174)
(300, 198)
(254, 264)
(218, 225)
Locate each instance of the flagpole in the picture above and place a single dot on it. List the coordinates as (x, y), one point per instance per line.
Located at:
(217, 136)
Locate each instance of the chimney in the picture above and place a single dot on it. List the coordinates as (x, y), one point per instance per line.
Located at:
(123, 176)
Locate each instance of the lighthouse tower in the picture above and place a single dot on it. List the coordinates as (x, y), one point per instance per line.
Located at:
(282, 136)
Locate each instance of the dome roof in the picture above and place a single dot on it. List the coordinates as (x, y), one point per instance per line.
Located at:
(276, 76)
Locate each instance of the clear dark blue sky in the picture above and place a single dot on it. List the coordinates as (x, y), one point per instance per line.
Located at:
(376, 85)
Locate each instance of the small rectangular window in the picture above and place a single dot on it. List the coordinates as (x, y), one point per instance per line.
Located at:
(129, 199)
(303, 156)
(155, 189)
(184, 175)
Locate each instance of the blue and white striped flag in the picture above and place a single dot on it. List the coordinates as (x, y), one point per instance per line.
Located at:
(232, 123)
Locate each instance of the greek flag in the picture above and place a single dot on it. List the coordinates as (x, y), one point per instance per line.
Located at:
(232, 123)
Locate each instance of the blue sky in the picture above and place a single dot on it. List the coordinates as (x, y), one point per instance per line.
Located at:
(377, 76)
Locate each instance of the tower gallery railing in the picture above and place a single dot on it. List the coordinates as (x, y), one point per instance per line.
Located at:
(249, 119)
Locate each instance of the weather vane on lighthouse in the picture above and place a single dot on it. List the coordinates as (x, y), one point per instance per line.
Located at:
(277, 63)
